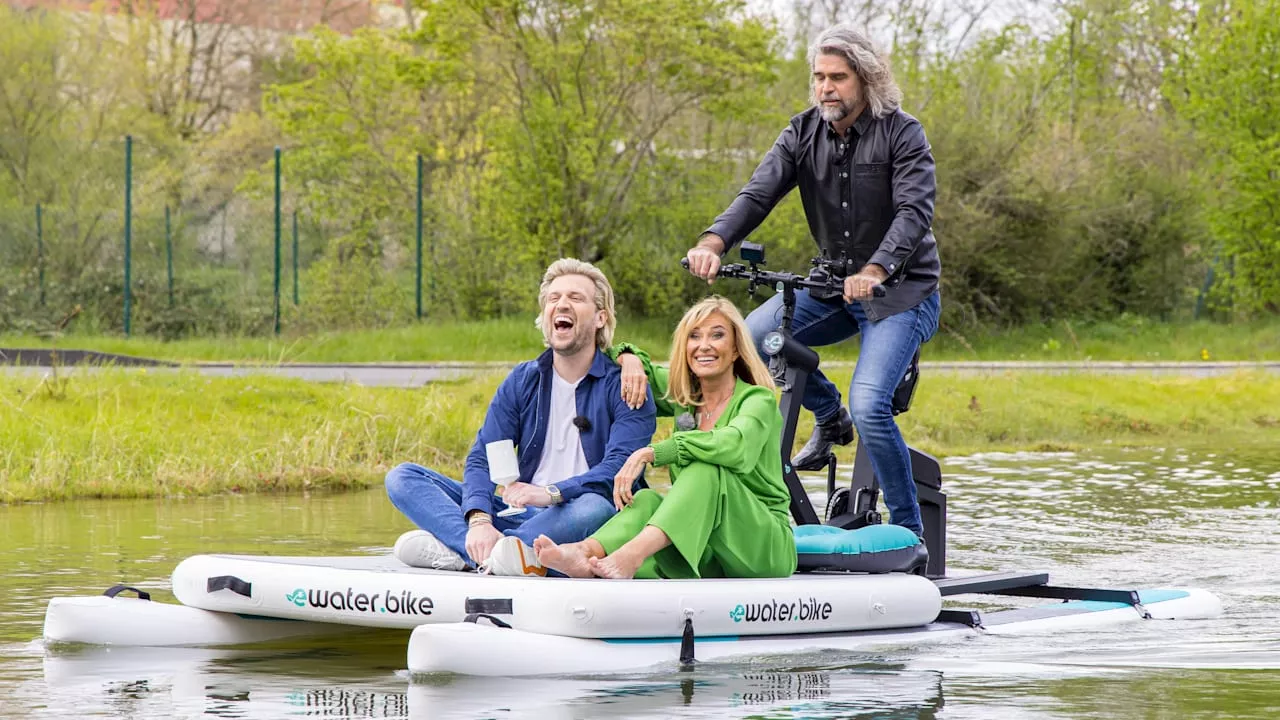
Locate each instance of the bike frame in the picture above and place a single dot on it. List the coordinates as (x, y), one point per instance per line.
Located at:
(791, 363)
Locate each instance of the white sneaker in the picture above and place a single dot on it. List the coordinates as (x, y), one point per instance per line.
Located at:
(419, 548)
(510, 556)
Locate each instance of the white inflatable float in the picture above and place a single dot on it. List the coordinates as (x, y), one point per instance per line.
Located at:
(137, 621)
(477, 648)
(382, 592)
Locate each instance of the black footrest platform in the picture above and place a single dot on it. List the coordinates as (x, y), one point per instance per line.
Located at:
(1034, 585)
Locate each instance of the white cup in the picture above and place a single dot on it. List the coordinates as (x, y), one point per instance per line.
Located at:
(503, 468)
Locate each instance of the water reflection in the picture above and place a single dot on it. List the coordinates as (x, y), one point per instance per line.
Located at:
(338, 682)
(182, 682)
(719, 692)
(348, 703)
(1164, 517)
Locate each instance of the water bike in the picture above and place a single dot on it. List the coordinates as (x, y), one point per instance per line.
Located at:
(861, 583)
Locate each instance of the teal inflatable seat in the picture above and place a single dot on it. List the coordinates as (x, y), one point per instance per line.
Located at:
(871, 549)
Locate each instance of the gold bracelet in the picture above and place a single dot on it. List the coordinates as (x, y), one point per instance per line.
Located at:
(480, 518)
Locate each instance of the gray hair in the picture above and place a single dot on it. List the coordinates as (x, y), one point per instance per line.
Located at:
(882, 94)
(604, 295)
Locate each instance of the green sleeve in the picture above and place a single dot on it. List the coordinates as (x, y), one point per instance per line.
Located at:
(735, 446)
(658, 377)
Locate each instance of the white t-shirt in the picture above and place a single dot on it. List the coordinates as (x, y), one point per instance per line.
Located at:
(562, 456)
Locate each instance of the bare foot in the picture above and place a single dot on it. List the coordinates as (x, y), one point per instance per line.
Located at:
(614, 567)
(570, 558)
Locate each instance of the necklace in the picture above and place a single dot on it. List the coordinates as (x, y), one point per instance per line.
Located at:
(710, 416)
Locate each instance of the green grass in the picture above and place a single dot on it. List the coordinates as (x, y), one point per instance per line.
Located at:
(955, 414)
(1127, 338)
(131, 433)
(514, 339)
(126, 433)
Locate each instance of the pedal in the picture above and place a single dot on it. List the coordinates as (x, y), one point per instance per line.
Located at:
(831, 474)
(828, 463)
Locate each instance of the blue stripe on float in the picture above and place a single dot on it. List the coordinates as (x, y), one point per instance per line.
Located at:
(247, 616)
(1148, 597)
(660, 641)
(1155, 596)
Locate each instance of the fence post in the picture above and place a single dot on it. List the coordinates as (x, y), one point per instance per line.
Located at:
(40, 249)
(277, 245)
(128, 231)
(295, 257)
(168, 252)
(418, 284)
(1205, 287)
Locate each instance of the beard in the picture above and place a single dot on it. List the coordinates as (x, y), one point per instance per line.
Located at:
(837, 113)
(583, 336)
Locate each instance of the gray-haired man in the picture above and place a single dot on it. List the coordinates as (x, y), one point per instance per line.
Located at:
(866, 178)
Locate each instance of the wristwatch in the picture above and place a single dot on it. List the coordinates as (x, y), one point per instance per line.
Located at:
(554, 493)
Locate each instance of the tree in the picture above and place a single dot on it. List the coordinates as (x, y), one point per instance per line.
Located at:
(585, 92)
(1231, 95)
(64, 114)
(365, 107)
(193, 67)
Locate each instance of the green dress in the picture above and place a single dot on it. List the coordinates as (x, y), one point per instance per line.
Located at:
(728, 510)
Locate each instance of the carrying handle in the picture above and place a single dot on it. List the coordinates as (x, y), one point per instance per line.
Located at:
(115, 590)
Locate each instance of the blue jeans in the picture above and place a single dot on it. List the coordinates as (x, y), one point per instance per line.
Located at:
(887, 347)
(434, 503)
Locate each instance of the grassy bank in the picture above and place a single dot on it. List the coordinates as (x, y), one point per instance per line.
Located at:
(515, 339)
(133, 433)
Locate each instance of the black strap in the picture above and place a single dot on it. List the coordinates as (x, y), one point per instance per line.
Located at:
(229, 582)
(115, 590)
(475, 617)
(487, 606)
(686, 643)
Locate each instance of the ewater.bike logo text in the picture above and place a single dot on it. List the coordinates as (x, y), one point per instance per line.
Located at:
(402, 603)
(774, 611)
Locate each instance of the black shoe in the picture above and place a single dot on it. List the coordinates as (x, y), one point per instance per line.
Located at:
(813, 456)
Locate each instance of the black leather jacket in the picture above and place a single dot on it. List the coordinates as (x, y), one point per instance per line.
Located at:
(869, 196)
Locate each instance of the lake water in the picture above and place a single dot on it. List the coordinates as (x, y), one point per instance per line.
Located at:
(1147, 518)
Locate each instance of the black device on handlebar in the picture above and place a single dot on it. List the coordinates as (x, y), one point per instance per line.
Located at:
(791, 362)
(825, 281)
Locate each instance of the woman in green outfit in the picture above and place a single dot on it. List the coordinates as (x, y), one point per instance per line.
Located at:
(726, 514)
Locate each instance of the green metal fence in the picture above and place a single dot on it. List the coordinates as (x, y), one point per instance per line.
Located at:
(197, 254)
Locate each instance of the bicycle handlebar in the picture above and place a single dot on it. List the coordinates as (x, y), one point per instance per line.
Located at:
(828, 285)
